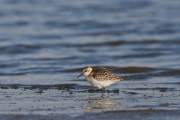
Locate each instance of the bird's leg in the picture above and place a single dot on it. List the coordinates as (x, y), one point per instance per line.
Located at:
(103, 90)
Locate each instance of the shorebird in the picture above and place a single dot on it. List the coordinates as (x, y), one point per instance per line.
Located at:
(99, 77)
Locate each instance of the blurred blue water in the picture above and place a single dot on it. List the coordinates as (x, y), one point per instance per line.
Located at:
(47, 41)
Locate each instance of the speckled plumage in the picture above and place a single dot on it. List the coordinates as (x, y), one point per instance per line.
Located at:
(100, 77)
(103, 74)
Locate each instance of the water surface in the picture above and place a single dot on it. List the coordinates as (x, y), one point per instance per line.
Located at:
(44, 45)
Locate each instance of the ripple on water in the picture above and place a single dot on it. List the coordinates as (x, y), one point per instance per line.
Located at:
(43, 49)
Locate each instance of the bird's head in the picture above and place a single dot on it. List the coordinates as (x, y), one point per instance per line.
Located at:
(86, 71)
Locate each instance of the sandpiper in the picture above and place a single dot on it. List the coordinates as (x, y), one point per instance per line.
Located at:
(99, 77)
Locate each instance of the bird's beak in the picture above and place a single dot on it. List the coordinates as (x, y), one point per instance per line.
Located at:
(79, 75)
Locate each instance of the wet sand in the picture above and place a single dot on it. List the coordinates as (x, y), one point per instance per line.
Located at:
(111, 115)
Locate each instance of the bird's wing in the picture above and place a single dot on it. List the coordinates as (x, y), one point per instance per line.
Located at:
(104, 74)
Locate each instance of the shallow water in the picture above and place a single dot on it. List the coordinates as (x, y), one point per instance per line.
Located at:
(45, 44)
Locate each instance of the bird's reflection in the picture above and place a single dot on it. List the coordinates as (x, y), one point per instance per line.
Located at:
(101, 104)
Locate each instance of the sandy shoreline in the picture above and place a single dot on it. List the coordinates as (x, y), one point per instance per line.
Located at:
(110, 115)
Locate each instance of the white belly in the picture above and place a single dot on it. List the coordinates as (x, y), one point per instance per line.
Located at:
(101, 84)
